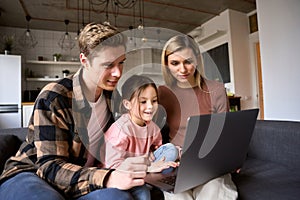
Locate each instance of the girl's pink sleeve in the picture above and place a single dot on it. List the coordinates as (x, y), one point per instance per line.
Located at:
(115, 147)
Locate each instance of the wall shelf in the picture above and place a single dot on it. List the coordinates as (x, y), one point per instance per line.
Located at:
(52, 62)
(42, 79)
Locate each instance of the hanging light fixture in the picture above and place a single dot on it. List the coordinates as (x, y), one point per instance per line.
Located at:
(141, 10)
(106, 22)
(112, 7)
(158, 36)
(78, 29)
(66, 42)
(28, 40)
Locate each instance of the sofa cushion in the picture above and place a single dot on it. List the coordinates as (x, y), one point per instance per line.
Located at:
(261, 180)
(276, 141)
(9, 145)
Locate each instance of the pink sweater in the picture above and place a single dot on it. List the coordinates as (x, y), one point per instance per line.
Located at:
(180, 103)
(125, 139)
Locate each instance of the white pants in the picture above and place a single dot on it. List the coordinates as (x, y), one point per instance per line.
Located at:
(221, 188)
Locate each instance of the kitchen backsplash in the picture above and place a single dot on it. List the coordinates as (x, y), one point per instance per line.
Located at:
(47, 44)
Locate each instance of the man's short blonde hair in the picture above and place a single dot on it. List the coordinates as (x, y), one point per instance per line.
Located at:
(94, 34)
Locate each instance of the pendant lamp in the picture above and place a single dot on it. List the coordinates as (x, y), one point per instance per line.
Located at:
(66, 42)
(28, 40)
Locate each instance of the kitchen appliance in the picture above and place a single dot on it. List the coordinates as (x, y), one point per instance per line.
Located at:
(30, 95)
(10, 91)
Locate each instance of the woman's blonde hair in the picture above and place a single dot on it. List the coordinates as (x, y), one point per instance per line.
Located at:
(177, 43)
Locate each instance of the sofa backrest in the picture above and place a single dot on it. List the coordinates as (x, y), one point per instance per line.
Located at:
(276, 141)
(10, 141)
(19, 132)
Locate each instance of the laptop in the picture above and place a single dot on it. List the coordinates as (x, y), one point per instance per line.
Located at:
(214, 145)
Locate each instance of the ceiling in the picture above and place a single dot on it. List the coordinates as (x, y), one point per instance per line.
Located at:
(182, 16)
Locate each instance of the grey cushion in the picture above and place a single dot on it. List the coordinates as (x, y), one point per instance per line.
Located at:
(276, 141)
(9, 145)
(261, 180)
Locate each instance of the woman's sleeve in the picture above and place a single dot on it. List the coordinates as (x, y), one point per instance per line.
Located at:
(157, 137)
(222, 103)
(161, 116)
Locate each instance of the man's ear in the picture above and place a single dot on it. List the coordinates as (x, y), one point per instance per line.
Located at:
(83, 59)
(127, 104)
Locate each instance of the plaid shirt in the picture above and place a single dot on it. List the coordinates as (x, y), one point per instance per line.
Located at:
(54, 145)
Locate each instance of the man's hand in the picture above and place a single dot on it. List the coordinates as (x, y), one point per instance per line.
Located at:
(129, 174)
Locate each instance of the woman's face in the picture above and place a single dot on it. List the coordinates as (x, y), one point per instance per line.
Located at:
(182, 65)
(144, 106)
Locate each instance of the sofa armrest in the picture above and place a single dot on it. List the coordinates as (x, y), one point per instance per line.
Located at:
(9, 145)
(276, 141)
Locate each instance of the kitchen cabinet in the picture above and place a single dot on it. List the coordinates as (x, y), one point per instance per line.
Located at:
(27, 109)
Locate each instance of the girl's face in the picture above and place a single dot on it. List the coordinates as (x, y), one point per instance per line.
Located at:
(144, 106)
(182, 65)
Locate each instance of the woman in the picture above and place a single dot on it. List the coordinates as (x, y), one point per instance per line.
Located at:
(187, 92)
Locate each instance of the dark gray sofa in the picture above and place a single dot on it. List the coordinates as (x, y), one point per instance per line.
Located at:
(270, 172)
(272, 168)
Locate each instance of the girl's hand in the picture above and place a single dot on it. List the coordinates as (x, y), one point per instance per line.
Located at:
(151, 156)
(179, 152)
(160, 165)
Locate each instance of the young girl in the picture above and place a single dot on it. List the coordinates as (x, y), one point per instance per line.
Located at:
(135, 134)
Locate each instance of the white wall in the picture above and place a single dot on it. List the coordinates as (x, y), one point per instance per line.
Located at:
(239, 37)
(279, 33)
(236, 28)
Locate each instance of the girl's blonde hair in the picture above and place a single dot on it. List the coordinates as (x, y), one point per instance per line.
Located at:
(178, 43)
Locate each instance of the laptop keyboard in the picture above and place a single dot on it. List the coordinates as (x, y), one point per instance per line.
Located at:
(170, 180)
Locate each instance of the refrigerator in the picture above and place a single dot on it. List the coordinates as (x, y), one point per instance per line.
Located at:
(10, 91)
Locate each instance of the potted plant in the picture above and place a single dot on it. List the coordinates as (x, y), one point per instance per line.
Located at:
(65, 72)
(8, 43)
(57, 56)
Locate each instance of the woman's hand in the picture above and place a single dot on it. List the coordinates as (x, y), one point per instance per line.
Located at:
(130, 173)
(160, 165)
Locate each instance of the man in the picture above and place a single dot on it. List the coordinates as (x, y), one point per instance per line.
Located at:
(58, 157)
